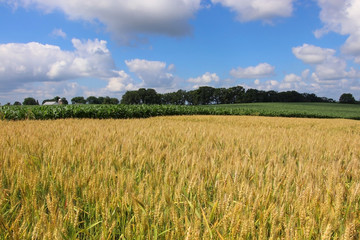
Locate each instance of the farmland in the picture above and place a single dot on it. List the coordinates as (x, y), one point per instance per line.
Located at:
(303, 110)
(180, 177)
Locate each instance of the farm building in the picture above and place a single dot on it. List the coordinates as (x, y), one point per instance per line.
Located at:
(51, 103)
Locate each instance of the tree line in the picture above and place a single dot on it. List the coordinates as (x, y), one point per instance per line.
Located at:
(209, 95)
(201, 96)
(74, 100)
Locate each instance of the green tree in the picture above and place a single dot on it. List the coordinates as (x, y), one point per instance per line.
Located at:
(108, 100)
(64, 101)
(205, 95)
(17, 103)
(150, 96)
(78, 100)
(131, 97)
(92, 100)
(235, 95)
(114, 101)
(192, 97)
(347, 98)
(30, 101)
(56, 99)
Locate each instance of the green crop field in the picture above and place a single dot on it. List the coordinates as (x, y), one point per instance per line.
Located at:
(327, 110)
(302, 110)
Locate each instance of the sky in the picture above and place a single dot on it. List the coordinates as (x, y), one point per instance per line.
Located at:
(71, 48)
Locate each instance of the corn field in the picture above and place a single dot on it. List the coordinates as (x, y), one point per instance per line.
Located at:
(180, 177)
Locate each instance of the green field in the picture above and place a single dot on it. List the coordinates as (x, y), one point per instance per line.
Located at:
(301, 110)
(327, 110)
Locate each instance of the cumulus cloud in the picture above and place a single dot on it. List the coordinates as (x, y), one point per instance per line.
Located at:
(328, 67)
(258, 9)
(311, 54)
(262, 70)
(154, 74)
(120, 83)
(32, 67)
(43, 90)
(44, 67)
(36, 62)
(292, 78)
(342, 16)
(126, 19)
(289, 83)
(207, 78)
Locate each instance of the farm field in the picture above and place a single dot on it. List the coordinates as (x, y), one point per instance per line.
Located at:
(302, 110)
(180, 177)
(330, 110)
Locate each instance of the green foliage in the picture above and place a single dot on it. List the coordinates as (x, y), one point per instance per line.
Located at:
(305, 110)
(64, 101)
(93, 100)
(30, 101)
(78, 100)
(142, 96)
(208, 95)
(347, 98)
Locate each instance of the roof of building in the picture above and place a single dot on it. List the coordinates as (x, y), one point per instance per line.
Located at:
(51, 103)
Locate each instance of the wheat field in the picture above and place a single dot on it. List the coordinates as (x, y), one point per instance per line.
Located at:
(184, 177)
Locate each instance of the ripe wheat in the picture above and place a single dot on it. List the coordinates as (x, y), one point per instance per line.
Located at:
(187, 177)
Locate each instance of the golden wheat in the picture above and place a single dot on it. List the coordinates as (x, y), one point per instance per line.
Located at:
(193, 177)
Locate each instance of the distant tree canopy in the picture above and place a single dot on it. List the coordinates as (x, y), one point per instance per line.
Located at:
(202, 96)
(102, 100)
(30, 101)
(209, 95)
(347, 98)
(141, 96)
(64, 101)
(78, 100)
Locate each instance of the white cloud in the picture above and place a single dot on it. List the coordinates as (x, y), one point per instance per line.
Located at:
(207, 78)
(34, 62)
(292, 78)
(332, 69)
(259, 9)
(262, 70)
(328, 67)
(154, 74)
(342, 16)
(122, 82)
(44, 70)
(305, 73)
(43, 90)
(311, 54)
(126, 19)
(58, 32)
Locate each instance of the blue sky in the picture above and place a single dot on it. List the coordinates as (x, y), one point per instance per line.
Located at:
(74, 48)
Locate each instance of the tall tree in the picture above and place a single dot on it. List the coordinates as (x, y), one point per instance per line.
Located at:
(78, 100)
(131, 97)
(92, 100)
(347, 98)
(30, 101)
(64, 101)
